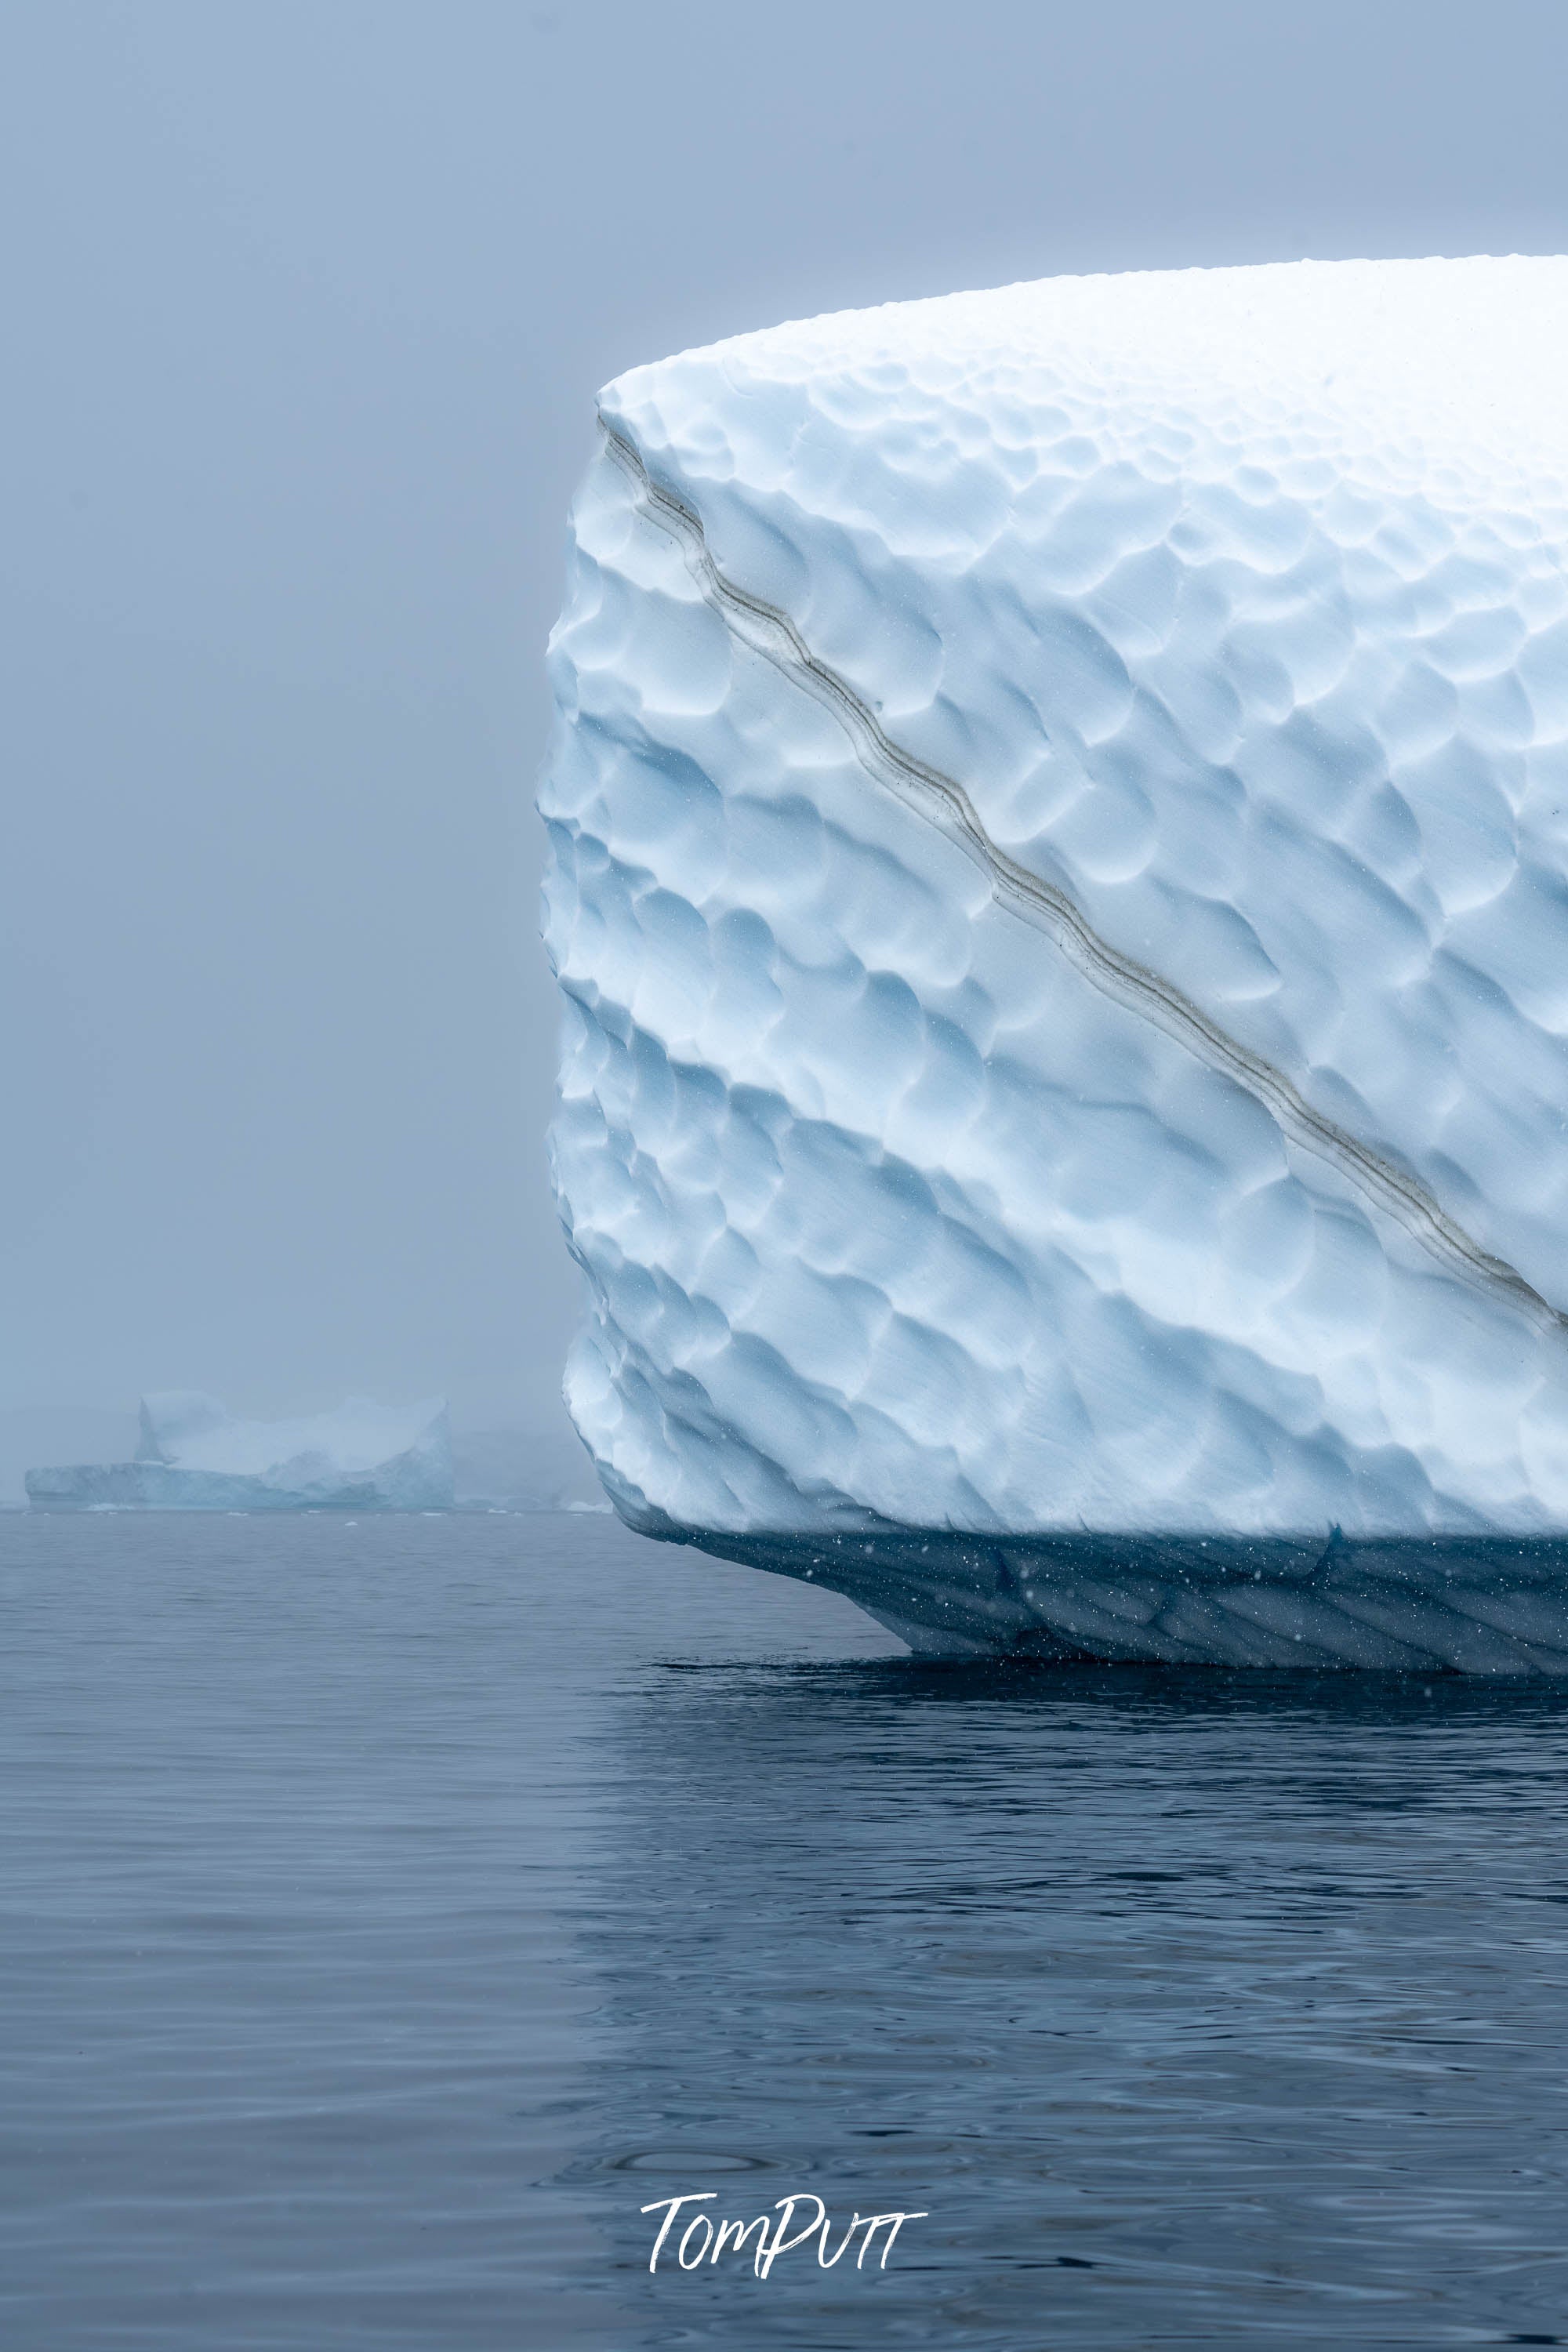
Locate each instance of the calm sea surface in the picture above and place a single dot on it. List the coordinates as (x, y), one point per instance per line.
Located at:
(391, 1909)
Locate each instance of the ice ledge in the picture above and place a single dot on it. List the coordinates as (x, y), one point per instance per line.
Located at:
(1450, 1604)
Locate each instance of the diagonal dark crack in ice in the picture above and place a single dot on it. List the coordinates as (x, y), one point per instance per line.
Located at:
(944, 802)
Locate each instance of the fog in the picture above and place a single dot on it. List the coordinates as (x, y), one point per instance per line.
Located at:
(307, 306)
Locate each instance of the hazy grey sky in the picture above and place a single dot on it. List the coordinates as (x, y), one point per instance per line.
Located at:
(306, 306)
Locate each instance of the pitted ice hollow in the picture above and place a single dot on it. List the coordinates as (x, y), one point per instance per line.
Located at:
(1233, 603)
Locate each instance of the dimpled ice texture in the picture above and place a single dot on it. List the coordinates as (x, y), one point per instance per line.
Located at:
(1058, 880)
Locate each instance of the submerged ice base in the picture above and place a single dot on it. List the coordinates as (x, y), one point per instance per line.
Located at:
(1059, 883)
(1454, 1604)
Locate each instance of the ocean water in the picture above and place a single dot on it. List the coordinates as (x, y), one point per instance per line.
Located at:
(392, 1908)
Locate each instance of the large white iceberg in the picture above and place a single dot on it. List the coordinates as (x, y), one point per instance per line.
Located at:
(1059, 884)
(193, 1456)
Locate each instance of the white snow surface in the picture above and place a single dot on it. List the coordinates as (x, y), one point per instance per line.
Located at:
(1058, 879)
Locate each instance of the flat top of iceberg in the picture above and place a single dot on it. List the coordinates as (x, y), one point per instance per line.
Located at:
(190, 1431)
(1442, 351)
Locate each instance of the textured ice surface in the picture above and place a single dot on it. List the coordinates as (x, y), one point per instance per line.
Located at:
(1059, 882)
(194, 1455)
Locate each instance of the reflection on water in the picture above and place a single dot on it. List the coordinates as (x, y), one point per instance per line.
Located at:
(1196, 2010)
(392, 1911)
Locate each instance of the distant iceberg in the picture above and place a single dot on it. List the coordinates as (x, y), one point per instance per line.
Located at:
(1059, 883)
(194, 1455)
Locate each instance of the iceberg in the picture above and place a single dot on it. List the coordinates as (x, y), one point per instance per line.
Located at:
(1058, 886)
(193, 1456)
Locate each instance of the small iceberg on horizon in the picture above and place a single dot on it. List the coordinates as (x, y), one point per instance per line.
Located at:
(193, 1454)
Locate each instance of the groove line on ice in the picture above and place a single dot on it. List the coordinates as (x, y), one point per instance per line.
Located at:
(942, 801)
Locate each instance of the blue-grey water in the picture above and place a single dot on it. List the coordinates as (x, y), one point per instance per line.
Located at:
(391, 1909)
